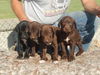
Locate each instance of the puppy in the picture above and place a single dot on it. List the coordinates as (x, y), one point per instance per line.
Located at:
(61, 43)
(72, 36)
(23, 48)
(48, 37)
(34, 33)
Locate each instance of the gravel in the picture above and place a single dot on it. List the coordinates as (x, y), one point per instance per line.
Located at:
(86, 64)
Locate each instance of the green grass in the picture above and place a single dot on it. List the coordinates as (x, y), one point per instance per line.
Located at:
(75, 6)
(6, 11)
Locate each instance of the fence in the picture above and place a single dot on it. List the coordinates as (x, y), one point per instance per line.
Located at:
(7, 35)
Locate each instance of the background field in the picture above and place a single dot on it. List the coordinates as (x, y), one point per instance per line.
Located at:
(6, 12)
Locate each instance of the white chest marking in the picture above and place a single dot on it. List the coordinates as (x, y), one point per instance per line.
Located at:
(67, 39)
(68, 47)
(50, 43)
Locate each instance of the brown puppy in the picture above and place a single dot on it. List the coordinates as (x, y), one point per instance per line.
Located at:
(73, 39)
(60, 39)
(48, 37)
(34, 33)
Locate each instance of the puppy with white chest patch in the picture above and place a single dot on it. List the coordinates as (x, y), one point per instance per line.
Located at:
(73, 39)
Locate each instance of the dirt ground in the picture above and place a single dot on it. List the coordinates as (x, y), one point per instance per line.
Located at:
(86, 64)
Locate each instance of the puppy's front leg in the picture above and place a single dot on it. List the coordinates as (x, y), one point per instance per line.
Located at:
(71, 54)
(26, 56)
(20, 54)
(19, 50)
(79, 44)
(64, 53)
(33, 51)
(55, 54)
(44, 51)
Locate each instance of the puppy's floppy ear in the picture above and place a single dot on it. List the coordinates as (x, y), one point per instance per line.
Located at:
(39, 30)
(21, 24)
(53, 30)
(59, 24)
(17, 28)
(27, 27)
(74, 25)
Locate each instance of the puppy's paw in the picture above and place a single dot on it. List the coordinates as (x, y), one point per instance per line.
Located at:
(55, 62)
(32, 55)
(19, 57)
(64, 57)
(71, 58)
(26, 57)
(79, 53)
(42, 61)
(54, 58)
(44, 58)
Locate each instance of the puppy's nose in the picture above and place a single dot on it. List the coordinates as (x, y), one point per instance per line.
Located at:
(46, 41)
(32, 38)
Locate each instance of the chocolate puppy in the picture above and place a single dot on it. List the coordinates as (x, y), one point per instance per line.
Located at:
(48, 37)
(72, 36)
(34, 33)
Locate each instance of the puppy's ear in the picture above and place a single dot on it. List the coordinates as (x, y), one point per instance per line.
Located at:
(75, 24)
(21, 25)
(53, 30)
(59, 24)
(27, 27)
(17, 28)
(40, 26)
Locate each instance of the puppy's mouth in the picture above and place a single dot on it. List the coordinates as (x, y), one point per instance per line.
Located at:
(66, 30)
(34, 39)
(48, 43)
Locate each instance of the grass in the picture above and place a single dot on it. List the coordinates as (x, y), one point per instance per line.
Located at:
(75, 6)
(6, 11)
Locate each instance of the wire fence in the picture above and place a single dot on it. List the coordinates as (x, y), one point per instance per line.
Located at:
(7, 35)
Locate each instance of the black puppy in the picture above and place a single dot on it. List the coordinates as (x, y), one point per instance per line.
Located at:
(22, 47)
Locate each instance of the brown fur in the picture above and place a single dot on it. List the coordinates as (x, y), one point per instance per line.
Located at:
(48, 37)
(69, 29)
(34, 33)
